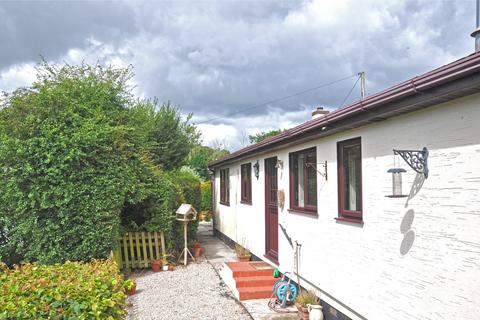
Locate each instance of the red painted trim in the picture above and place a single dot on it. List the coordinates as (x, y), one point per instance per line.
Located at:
(246, 183)
(269, 165)
(356, 221)
(342, 212)
(225, 187)
(303, 212)
(307, 208)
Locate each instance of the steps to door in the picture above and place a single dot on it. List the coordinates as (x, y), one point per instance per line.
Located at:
(248, 280)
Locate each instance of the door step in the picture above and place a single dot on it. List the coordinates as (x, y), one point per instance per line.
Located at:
(248, 280)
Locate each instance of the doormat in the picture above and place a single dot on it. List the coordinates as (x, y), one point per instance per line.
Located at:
(260, 265)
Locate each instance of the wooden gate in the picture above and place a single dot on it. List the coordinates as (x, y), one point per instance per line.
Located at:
(136, 250)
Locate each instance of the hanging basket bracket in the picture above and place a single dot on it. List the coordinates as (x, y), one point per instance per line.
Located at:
(416, 159)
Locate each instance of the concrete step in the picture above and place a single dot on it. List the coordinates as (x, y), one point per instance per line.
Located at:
(248, 293)
(258, 281)
(248, 269)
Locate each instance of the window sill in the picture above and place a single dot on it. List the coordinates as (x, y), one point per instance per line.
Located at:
(350, 220)
(249, 203)
(303, 212)
(225, 203)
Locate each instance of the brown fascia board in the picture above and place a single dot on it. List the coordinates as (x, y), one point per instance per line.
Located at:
(454, 80)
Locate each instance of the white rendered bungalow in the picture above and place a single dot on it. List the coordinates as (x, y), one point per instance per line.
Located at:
(370, 250)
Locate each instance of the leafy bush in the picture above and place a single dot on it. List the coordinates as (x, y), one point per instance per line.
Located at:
(189, 184)
(199, 158)
(70, 158)
(71, 290)
(157, 211)
(206, 189)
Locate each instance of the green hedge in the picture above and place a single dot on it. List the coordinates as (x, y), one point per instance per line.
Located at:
(206, 188)
(71, 290)
(70, 159)
(189, 184)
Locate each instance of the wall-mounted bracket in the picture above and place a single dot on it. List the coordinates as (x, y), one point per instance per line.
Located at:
(416, 159)
(315, 166)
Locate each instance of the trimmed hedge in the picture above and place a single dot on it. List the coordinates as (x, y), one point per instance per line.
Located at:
(72, 290)
(206, 188)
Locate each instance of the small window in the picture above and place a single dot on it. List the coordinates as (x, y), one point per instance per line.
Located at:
(246, 180)
(349, 155)
(303, 180)
(225, 187)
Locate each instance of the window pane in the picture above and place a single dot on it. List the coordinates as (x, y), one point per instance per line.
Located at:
(299, 180)
(311, 178)
(352, 164)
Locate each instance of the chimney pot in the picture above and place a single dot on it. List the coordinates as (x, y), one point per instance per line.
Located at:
(319, 112)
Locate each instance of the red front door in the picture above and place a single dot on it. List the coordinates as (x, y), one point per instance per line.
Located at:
(271, 210)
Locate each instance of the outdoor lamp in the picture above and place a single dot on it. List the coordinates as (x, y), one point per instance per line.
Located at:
(396, 182)
(256, 169)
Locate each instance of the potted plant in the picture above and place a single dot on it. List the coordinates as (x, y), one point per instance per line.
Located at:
(304, 299)
(156, 265)
(197, 250)
(130, 286)
(243, 254)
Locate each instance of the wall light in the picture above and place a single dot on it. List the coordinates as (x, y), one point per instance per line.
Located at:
(396, 182)
(256, 169)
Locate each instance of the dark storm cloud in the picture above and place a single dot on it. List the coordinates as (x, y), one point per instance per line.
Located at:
(33, 28)
(215, 57)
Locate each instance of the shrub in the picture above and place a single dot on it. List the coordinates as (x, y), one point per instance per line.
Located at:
(306, 297)
(206, 189)
(189, 184)
(71, 290)
(70, 159)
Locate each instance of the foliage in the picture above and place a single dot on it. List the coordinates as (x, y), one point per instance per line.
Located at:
(206, 190)
(199, 158)
(190, 186)
(306, 297)
(71, 290)
(71, 157)
(157, 211)
(241, 251)
(264, 135)
(129, 284)
(171, 138)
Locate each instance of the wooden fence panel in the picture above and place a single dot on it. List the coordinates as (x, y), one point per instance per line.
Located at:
(137, 249)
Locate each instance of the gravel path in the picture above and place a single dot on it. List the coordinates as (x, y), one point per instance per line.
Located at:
(191, 292)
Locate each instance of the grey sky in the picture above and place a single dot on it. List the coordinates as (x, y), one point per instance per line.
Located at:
(215, 57)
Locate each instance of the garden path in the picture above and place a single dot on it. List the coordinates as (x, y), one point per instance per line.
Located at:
(192, 292)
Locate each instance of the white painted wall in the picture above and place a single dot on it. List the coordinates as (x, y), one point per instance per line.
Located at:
(436, 229)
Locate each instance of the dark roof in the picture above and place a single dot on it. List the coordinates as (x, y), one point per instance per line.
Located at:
(454, 80)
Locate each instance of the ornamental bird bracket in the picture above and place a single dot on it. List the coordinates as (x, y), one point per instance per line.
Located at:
(416, 159)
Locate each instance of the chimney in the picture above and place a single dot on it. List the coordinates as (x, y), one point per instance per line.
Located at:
(319, 112)
(476, 33)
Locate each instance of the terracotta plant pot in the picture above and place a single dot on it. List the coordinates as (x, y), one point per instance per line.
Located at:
(244, 258)
(156, 265)
(303, 312)
(197, 250)
(132, 290)
(170, 268)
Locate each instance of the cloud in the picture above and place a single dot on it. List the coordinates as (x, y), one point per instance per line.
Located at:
(216, 57)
